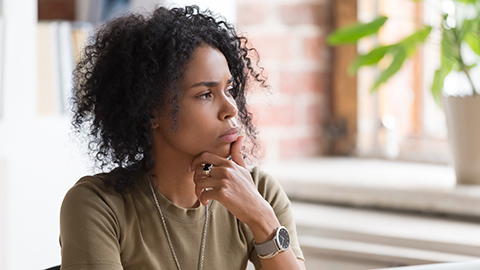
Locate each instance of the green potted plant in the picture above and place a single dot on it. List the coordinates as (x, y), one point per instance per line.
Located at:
(460, 43)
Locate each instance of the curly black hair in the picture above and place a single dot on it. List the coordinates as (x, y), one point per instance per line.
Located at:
(131, 69)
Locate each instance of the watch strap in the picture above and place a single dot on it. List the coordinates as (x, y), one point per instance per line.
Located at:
(271, 247)
(267, 248)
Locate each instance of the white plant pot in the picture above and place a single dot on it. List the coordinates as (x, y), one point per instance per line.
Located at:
(463, 121)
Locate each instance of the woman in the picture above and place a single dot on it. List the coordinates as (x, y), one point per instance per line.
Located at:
(164, 100)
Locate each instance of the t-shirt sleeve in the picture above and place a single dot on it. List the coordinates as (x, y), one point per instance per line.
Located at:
(89, 227)
(274, 194)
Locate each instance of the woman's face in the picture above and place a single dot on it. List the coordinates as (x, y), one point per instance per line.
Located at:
(207, 119)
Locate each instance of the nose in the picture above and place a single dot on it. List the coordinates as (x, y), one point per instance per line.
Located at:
(228, 108)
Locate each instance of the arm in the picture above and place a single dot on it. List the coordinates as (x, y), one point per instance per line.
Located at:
(283, 260)
(88, 229)
(231, 184)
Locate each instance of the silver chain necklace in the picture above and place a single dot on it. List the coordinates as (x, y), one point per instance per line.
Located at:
(204, 237)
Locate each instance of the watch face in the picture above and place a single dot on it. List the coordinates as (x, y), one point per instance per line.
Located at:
(283, 238)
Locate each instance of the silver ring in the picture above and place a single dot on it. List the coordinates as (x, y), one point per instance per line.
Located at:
(207, 169)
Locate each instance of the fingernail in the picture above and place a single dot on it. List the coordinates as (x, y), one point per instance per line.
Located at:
(190, 168)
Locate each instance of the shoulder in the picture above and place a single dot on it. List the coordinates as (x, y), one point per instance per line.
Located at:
(90, 192)
(270, 189)
(92, 186)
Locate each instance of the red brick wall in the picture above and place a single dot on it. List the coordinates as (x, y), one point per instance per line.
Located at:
(290, 38)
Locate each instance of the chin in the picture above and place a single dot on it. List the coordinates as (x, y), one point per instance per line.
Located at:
(224, 154)
(223, 151)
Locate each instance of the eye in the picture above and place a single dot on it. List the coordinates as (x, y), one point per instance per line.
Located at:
(229, 91)
(206, 95)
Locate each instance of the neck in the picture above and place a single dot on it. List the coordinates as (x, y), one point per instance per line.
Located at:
(174, 179)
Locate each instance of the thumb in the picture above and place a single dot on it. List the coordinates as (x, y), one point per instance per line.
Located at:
(235, 151)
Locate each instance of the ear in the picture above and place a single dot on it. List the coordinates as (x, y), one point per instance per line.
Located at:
(155, 122)
(155, 119)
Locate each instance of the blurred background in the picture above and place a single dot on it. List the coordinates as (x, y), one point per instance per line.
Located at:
(369, 174)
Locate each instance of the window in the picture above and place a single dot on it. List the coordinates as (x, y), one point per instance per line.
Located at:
(401, 120)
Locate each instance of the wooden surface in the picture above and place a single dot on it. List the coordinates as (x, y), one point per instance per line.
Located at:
(56, 10)
(344, 86)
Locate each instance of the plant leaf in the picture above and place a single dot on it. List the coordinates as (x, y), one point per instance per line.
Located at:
(373, 57)
(351, 34)
(418, 36)
(474, 42)
(467, 1)
(472, 37)
(450, 51)
(399, 56)
(400, 51)
(437, 85)
(411, 42)
(468, 27)
(448, 59)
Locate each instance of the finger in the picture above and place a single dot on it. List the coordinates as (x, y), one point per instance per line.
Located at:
(205, 185)
(200, 173)
(204, 158)
(236, 151)
(207, 169)
(203, 181)
(206, 196)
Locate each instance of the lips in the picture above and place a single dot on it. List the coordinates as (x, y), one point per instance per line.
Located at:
(230, 135)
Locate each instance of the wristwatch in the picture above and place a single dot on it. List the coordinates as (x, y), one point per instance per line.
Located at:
(279, 243)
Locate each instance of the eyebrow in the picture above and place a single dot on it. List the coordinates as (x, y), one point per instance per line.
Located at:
(210, 83)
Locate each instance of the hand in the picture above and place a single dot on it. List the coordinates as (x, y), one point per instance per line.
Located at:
(230, 183)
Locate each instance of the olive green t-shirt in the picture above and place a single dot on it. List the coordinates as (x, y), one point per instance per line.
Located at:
(103, 229)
